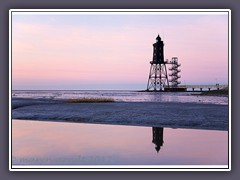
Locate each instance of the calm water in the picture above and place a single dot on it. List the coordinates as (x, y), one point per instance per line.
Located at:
(56, 143)
(130, 96)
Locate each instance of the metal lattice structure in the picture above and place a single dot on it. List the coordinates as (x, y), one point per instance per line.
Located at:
(158, 78)
(174, 72)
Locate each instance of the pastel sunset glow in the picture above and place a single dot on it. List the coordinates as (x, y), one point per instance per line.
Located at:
(112, 51)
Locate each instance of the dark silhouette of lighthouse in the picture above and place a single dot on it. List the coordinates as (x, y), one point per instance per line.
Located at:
(157, 133)
(158, 78)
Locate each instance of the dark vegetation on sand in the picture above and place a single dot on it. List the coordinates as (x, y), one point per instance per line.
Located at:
(90, 100)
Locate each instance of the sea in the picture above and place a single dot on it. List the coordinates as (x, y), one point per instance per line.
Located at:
(123, 96)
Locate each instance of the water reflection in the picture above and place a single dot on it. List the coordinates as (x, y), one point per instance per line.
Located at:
(59, 143)
(157, 133)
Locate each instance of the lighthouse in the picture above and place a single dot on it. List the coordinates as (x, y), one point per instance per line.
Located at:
(158, 78)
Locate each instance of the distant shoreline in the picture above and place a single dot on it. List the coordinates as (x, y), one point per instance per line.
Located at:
(220, 92)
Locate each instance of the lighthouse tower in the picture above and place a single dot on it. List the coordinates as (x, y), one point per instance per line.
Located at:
(158, 78)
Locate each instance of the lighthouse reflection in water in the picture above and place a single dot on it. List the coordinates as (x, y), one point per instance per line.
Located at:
(157, 133)
(60, 143)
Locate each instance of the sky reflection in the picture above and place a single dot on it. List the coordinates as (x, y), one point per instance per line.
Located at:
(56, 143)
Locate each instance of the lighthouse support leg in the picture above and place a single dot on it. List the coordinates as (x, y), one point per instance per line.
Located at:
(158, 78)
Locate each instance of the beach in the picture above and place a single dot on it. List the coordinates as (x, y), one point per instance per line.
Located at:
(165, 114)
(54, 131)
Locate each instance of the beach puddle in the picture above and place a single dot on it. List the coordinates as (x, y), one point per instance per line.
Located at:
(61, 143)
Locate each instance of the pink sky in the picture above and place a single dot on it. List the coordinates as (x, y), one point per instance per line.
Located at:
(113, 51)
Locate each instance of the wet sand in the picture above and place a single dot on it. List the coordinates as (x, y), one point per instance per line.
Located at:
(166, 114)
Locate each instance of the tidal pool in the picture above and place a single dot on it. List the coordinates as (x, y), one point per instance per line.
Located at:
(61, 143)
